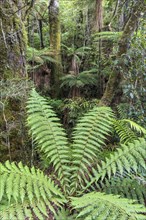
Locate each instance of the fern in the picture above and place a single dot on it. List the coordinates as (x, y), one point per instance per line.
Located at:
(39, 56)
(128, 133)
(49, 134)
(23, 188)
(89, 137)
(135, 126)
(124, 132)
(126, 187)
(79, 80)
(127, 157)
(65, 215)
(27, 193)
(107, 35)
(122, 110)
(98, 206)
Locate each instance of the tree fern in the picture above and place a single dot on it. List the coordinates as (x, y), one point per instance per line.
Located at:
(124, 132)
(49, 134)
(88, 139)
(64, 214)
(26, 192)
(128, 130)
(99, 206)
(126, 187)
(107, 35)
(127, 157)
(79, 80)
(122, 110)
(135, 126)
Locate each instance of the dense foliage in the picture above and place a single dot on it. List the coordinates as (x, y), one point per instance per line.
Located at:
(73, 109)
(77, 168)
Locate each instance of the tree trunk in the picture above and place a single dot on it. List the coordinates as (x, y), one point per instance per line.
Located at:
(124, 43)
(41, 33)
(55, 44)
(97, 27)
(98, 22)
(13, 42)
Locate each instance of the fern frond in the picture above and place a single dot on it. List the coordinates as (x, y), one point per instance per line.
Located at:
(127, 157)
(107, 35)
(28, 187)
(128, 133)
(124, 132)
(135, 126)
(126, 187)
(122, 110)
(18, 211)
(49, 135)
(88, 139)
(64, 214)
(15, 211)
(97, 205)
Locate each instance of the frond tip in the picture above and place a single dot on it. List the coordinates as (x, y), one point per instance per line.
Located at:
(128, 130)
(99, 206)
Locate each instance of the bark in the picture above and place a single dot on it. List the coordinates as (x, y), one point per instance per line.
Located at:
(98, 27)
(13, 42)
(41, 33)
(55, 44)
(98, 22)
(116, 76)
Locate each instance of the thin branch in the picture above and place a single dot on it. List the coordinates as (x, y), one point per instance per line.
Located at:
(4, 37)
(31, 5)
(115, 11)
(20, 9)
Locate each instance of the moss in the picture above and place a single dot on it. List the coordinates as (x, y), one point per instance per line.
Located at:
(14, 40)
(55, 44)
(14, 137)
(12, 63)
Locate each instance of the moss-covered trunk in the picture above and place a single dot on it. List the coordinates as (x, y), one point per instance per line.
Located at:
(55, 43)
(12, 41)
(117, 75)
(12, 75)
